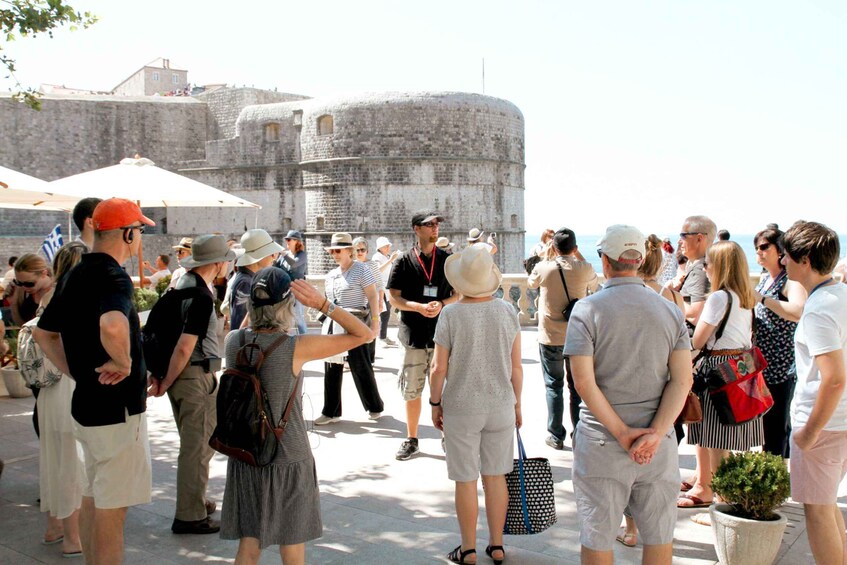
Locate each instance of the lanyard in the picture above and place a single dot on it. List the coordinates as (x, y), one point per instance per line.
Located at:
(431, 268)
(827, 281)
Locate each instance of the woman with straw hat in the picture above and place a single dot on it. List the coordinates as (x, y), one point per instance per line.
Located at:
(475, 394)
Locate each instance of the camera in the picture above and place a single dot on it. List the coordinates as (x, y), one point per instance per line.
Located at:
(492, 235)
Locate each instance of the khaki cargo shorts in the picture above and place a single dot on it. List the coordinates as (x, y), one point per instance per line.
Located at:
(414, 372)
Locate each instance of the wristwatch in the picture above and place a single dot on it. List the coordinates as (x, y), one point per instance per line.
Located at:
(434, 404)
(330, 308)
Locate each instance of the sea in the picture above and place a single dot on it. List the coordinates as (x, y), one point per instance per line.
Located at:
(588, 246)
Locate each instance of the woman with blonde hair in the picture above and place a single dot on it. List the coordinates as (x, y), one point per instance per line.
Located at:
(33, 278)
(732, 298)
(60, 456)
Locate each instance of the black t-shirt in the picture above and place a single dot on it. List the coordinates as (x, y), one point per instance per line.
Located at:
(96, 286)
(200, 318)
(410, 277)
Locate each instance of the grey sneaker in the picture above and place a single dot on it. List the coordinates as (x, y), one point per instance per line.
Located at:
(407, 449)
(374, 416)
(388, 342)
(324, 420)
(554, 443)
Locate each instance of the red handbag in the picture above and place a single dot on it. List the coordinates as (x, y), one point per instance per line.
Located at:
(737, 388)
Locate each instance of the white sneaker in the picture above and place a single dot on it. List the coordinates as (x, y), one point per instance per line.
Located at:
(324, 420)
(374, 415)
(388, 342)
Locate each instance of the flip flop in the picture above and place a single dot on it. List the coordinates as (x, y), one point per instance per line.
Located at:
(629, 540)
(52, 541)
(71, 554)
(685, 486)
(702, 518)
(696, 500)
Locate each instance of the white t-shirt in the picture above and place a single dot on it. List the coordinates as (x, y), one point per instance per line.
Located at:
(156, 277)
(739, 327)
(822, 329)
(380, 261)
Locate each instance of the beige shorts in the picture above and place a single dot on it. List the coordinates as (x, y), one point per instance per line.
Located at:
(415, 372)
(479, 443)
(817, 472)
(117, 462)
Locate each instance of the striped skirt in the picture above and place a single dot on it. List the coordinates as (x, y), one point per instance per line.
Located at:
(712, 434)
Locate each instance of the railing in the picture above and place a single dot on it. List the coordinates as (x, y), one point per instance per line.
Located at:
(513, 290)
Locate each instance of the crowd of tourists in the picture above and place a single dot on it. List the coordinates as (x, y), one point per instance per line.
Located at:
(627, 345)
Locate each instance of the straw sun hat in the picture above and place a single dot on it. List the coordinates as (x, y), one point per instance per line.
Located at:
(472, 272)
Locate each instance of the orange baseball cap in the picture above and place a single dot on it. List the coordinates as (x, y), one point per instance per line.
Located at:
(116, 213)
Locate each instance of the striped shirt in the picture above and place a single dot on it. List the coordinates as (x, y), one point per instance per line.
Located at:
(348, 289)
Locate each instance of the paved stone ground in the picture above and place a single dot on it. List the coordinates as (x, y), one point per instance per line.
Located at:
(375, 509)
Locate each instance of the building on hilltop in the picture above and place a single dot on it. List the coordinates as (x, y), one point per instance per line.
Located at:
(358, 163)
(156, 77)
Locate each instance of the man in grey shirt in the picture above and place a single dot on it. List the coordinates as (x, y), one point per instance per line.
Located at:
(631, 361)
(698, 233)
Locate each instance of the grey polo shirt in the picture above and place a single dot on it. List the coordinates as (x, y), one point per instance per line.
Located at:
(696, 286)
(630, 331)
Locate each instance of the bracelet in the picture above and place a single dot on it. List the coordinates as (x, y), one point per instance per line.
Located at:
(434, 404)
(763, 300)
(374, 318)
(321, 307)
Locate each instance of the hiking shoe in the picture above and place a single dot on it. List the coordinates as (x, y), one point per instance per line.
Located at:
(324, 420)
(555, 443)
(204, 526)
(374, 416)
(407, 449)
(210, 507)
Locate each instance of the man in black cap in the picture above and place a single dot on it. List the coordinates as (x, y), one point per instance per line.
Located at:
(419, 289)
(295, 261)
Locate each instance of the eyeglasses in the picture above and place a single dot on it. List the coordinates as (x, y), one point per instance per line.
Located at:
(429, 224)
(25, 284)
(764, 246)
(335, 251)
(599, 254)
(140, 228)
(685, 234)
(362, 250)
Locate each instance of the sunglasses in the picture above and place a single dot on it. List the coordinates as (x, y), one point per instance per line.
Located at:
(335, 251)
(685, 234)
(764, 246)
(24, 284)
(140, 228)
(361, 251)
(429, 225)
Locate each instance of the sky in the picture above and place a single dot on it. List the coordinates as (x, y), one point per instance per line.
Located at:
(636, 112)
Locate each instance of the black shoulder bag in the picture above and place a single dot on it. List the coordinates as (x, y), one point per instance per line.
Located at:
(701, 382)
(569, 306)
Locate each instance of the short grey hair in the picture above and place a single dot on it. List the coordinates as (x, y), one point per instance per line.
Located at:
(279, 316)
(359, 240)
(704, 225)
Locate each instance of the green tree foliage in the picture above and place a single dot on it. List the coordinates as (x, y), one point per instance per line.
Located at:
(24, 18)
(754, 483)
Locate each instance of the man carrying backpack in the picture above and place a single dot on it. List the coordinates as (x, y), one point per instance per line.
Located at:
(190, 383)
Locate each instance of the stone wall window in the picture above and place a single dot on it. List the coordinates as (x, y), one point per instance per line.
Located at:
(175, 79)
(325, 126)
(272, 132)
(319, 223)
(156, 76)
(514, 220)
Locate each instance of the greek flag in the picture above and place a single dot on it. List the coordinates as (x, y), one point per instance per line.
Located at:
(53, 242)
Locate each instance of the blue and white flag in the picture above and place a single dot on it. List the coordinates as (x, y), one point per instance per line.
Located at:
(53, 242)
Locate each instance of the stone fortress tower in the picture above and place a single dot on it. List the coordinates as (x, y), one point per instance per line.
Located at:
(359, 163)
(364, 163)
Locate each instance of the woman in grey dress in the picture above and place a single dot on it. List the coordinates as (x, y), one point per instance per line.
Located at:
(279, 504)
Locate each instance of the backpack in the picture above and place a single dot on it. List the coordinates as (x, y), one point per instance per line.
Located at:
(244, 430)
(36, 369)
(164, 327)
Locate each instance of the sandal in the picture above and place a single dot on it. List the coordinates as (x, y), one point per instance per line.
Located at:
(696, 501)
(458, 556)
(685, 486)
(491, 549)
(629, 540)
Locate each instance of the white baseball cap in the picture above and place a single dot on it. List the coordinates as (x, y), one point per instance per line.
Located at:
(619, 239)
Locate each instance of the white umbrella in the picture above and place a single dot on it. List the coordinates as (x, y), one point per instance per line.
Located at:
(142, 181)
(24, 192)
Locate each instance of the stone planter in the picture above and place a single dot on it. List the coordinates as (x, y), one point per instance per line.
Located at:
(15, 383)
(741, 541)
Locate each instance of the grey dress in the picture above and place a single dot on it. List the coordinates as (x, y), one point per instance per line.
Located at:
(278, 504)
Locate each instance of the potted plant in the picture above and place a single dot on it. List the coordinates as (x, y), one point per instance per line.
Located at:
(144, 299)
(12, 379)
(746, 526)
(163, 284)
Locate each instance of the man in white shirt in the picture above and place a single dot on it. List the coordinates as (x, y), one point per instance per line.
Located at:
(819, 409)
(385, 258)
(159, 272)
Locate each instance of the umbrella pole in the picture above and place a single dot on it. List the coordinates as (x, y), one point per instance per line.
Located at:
(257, 218)
(140, 257)
(70, 232)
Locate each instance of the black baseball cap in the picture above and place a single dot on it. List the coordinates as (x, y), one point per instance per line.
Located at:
(275, 282)
(425, 216)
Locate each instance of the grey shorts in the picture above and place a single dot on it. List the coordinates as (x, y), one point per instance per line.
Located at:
(414, 373)
(606, 480)
(479, 443)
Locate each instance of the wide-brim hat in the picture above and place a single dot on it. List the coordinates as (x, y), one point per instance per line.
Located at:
(208, 249)
(472, 272)
(475, 234)
(184, 243)
(257, 245)
(340, 241)
(382, 241)
(443, 243)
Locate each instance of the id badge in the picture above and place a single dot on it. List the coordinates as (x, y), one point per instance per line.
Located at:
(430, 291)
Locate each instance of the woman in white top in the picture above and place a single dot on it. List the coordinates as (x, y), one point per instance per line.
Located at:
(726, 268)
(352, 286)
(477, 376)
(360, 254)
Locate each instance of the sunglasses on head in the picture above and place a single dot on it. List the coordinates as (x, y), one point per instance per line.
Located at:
(764, 246)
(24, 284)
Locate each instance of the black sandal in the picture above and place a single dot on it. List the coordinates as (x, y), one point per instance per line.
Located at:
(491, 549)
(458, 556)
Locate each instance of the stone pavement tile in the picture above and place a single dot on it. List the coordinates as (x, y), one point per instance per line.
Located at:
(11, 557)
